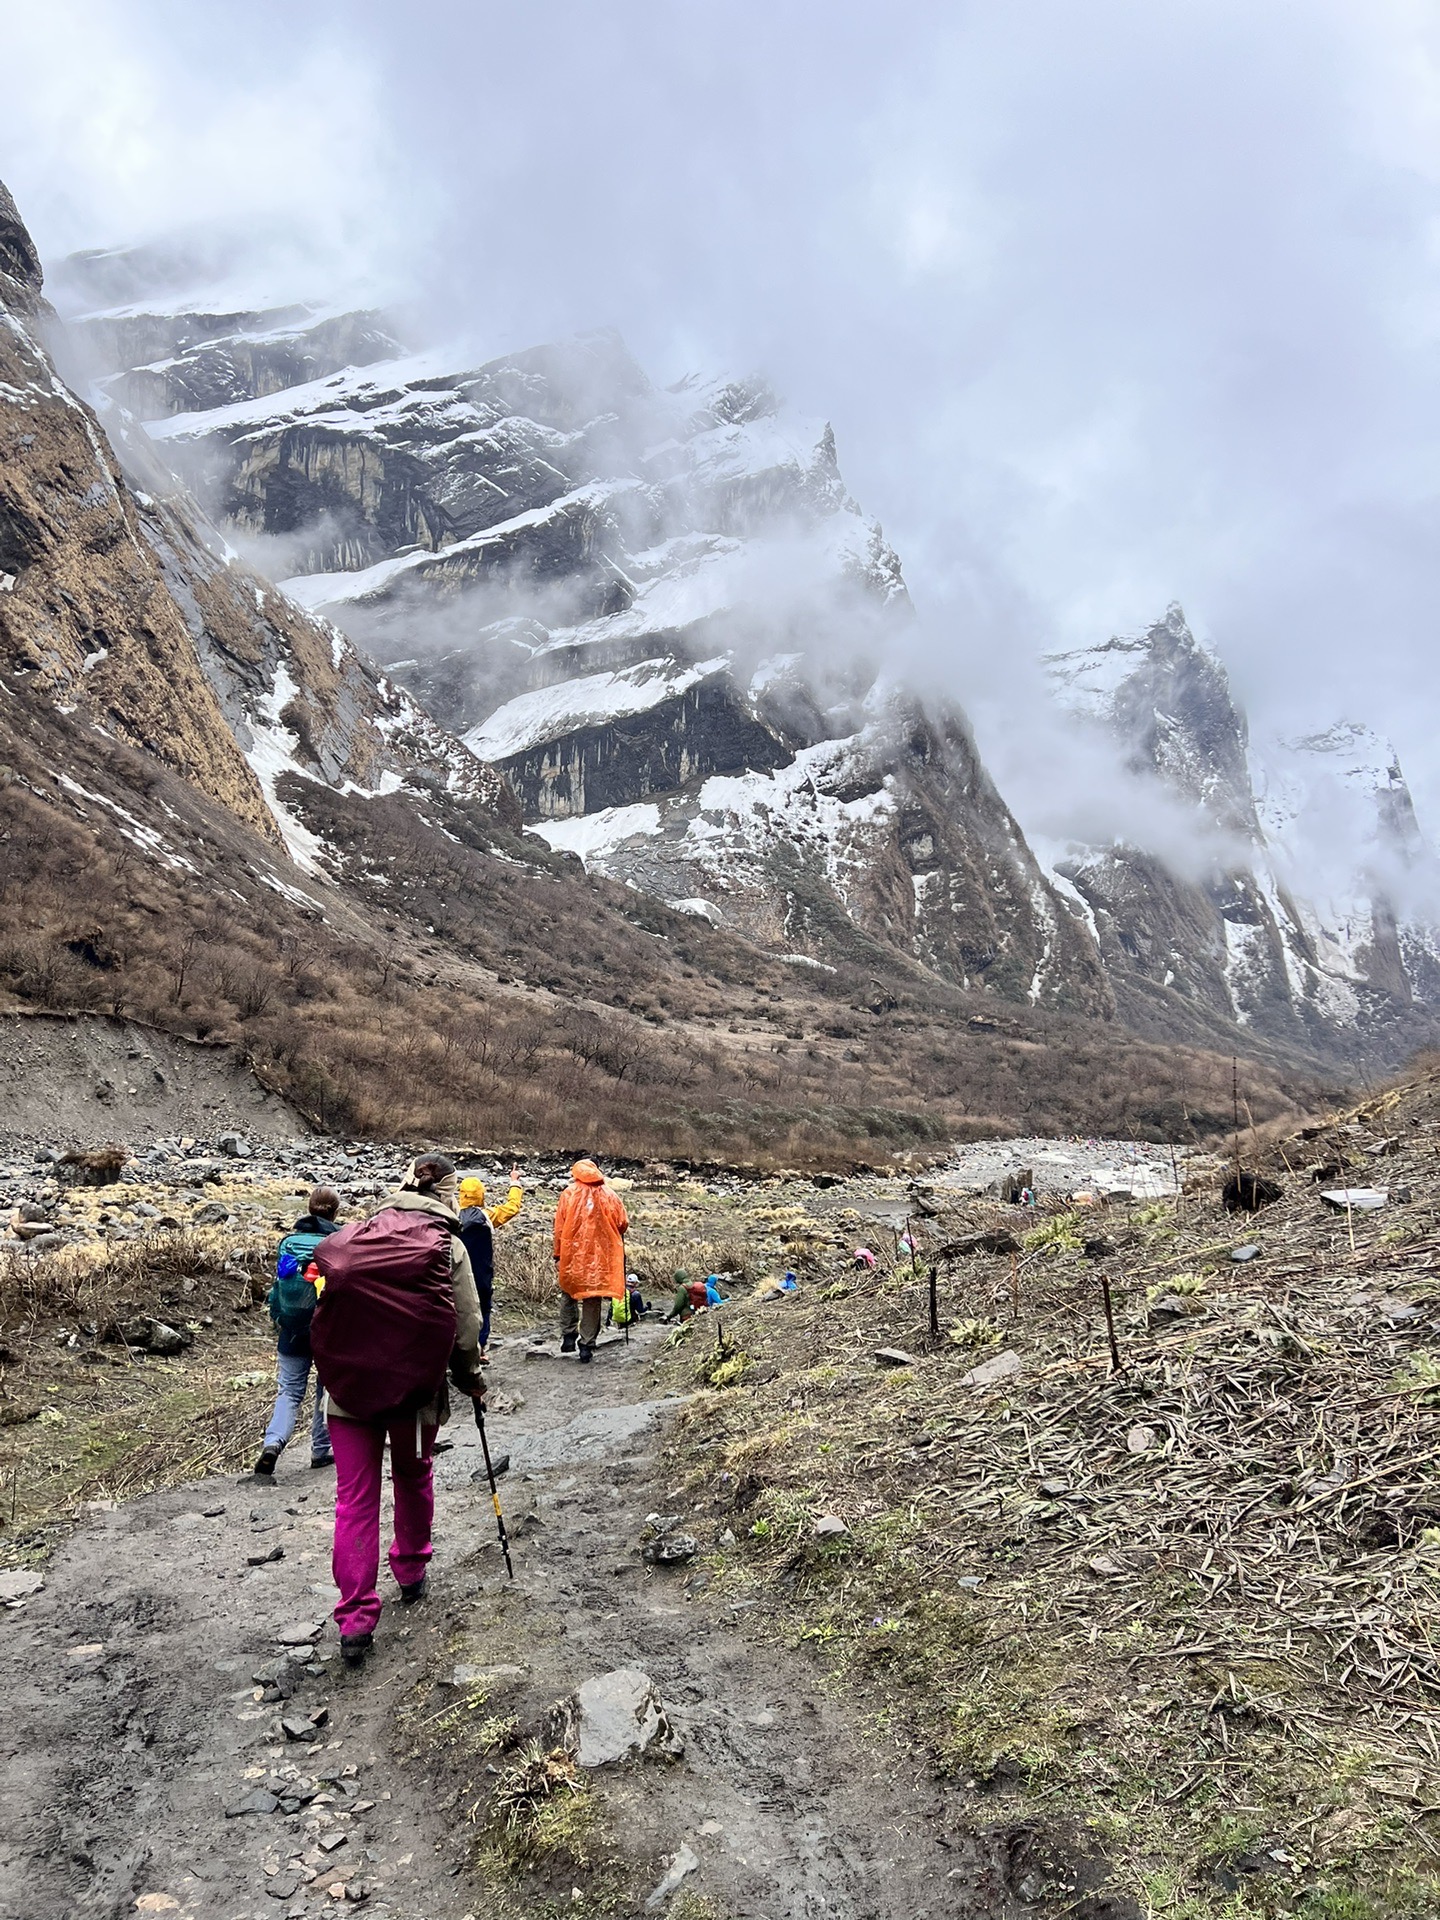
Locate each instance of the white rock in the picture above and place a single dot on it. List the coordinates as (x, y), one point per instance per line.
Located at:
(20, 1584)
(685, 1861)
(1357, 1199)
(991, 1372)
(829, 1527)
(1140, 1439)
(619, 1715)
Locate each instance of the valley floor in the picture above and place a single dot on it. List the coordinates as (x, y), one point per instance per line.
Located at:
(969, 1622)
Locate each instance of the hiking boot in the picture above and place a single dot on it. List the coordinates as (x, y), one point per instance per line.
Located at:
(265, 1465)
(318, 1460)
(585, 1354)
(413, 1592)
(354, 1647)
(567, 1343)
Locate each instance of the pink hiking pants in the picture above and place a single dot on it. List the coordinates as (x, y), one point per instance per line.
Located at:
(359, 1459)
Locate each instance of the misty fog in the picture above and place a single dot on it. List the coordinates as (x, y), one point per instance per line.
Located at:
(1109, 306)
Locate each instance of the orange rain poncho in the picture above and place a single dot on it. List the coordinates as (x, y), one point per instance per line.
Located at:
(590, 1223)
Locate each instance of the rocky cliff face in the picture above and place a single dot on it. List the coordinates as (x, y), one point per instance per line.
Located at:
(1310, 925)
(120, 600)
(658, 613)
(86, 618)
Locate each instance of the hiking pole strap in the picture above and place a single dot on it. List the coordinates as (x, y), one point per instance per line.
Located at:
(494, 1490)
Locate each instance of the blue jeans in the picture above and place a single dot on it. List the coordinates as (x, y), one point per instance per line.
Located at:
(294, 1372)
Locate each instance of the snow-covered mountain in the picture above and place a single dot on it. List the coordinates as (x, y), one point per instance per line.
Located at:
(1312, 919)
(660, 618)
(657, 612)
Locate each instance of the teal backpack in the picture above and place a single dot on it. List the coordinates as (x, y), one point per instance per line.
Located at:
(292, 1296)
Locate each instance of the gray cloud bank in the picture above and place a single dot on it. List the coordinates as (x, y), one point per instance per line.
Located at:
(1109, 304)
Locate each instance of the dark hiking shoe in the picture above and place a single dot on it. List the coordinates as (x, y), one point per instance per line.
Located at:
(354, 1647)
(265, 1465)
(585, 1354)
(567, 1343)
(318, 1460)
(413, 1592)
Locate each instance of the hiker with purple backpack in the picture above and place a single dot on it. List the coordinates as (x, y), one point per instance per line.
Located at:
(397, 1310)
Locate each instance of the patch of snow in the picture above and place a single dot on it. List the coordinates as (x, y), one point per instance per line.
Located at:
(1244, 943)
(549, 713)
(135, 831)
(593, 835)
(704, 909)
(294, 894)
(313, 590)
(272, 752)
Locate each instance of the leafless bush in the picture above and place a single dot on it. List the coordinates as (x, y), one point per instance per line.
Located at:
(525, 1272)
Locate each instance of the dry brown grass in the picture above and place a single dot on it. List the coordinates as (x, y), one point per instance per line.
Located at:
(467, 984)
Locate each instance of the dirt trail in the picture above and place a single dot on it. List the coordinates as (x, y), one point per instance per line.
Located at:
(132, 1720)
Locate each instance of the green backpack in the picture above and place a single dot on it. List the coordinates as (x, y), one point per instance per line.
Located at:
(292, 1296)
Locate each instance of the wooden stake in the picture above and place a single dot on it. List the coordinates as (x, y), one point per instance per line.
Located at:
(1110, 1323)
(1014, 1287)
(934, 1308)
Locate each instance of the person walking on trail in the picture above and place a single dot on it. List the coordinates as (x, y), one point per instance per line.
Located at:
(477, 1224)
(590, 1228)
(292, 1304)
(398, 1309)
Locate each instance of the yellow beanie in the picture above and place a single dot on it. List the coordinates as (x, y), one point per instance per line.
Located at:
(472, 1192)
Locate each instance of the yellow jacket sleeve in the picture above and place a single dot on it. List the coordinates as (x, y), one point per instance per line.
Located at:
(507, 1209)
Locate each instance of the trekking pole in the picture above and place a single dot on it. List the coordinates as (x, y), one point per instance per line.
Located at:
(494, 1491)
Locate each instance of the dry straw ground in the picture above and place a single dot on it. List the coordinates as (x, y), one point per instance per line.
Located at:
(1190, 1603)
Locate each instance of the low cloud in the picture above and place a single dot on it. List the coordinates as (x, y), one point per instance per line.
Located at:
(1109, 305)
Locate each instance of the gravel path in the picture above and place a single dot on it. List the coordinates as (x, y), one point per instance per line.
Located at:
(135, 1726)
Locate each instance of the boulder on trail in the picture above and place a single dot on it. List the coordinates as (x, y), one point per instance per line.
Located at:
(617, 1716)
(234, 1146)
(19, 1584)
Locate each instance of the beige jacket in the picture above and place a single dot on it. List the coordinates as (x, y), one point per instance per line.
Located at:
(465, 1354)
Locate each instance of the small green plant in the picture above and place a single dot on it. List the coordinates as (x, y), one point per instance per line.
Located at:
(974, 1335)
(722, 1364)
(1421, 1376)
(1059, 1234)
(1186, 1285)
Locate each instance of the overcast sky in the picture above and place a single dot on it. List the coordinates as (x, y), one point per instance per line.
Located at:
(1109, 303)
